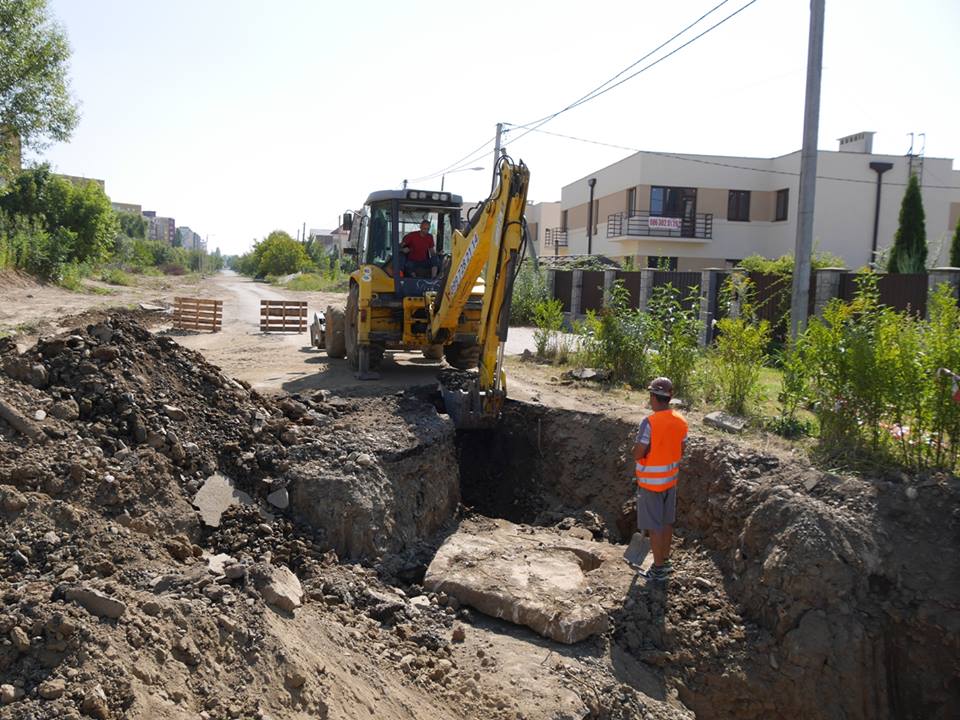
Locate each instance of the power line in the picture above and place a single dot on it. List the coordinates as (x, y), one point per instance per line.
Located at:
(659, 47)
(595, 94)
(453, 165)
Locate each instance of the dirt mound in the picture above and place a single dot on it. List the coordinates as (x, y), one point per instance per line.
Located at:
(118, 601)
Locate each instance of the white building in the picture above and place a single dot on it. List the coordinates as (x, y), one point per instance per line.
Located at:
(698, 211)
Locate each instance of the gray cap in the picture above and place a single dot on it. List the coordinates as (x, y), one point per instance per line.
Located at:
(661, 386)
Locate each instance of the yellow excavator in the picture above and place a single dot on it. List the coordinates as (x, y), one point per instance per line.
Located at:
(458, 311)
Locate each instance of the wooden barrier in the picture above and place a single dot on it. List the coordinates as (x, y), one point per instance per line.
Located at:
(283, 316)
(197, 314)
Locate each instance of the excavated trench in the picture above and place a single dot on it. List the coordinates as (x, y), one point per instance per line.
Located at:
(797, 593)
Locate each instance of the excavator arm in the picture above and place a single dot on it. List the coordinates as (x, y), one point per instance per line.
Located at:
(490, 246)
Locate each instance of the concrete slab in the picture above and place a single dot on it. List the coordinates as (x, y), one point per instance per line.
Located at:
(725, 421)
(562, 587)
(216, 495)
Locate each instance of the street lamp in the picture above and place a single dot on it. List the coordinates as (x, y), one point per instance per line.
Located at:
(444, 176)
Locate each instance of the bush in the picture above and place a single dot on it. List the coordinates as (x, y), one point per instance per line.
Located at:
(871, 377)
(529, 290)
(548, 318)
(673, 331)
(736, 359)
(72, 275)
(115, 276)
(616, 340)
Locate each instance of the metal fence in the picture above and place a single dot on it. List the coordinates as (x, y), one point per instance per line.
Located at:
(591, 292)
(563, 288)
(905, 292)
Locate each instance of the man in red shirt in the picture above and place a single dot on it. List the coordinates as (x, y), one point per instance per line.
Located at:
(420, 250)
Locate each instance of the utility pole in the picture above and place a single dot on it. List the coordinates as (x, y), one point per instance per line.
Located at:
(592, 183)
(808, 174)
(496, 156)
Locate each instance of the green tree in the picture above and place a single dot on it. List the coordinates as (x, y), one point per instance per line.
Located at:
(909, 251)
(281, 255)
(133, 225)
(35, 102)
(955, 247)
(78, 216)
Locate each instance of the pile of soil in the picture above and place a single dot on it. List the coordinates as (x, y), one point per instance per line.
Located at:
(117, 599)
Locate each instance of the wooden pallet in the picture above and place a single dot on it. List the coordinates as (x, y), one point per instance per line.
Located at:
(197, 314)
(283, 316)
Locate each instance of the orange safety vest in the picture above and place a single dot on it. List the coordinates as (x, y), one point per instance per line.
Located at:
(658, 470)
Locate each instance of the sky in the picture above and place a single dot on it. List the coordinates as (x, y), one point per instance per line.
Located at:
(238, 118)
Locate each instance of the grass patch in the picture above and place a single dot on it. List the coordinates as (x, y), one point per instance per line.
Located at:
(315, 282)
(72, 277)
(116, 276)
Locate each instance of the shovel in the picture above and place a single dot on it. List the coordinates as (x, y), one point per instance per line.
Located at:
(637, 550)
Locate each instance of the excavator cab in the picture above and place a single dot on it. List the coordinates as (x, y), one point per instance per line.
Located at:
(391, 219)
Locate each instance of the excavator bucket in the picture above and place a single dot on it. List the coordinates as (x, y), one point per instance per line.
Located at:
(468, 406)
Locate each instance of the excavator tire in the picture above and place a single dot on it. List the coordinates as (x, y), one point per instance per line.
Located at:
(334, 341)
(351, 318)
(433, 352)
(462, 356)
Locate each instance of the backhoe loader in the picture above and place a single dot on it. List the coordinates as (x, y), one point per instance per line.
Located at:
(461, 314)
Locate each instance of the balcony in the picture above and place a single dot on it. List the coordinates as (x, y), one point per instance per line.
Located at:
(642, 224)
(556, 237)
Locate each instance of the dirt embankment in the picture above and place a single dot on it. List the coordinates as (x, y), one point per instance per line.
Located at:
(797, 593)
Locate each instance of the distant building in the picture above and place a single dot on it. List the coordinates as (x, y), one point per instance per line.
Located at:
(127, 208)
(324, 237)
(189, 240)
(162, 229)
(690, 212)
(542, 218)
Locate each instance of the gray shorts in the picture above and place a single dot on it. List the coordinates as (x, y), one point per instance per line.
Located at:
(656, 509)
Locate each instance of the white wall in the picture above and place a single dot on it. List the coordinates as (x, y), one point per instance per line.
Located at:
(843, 222)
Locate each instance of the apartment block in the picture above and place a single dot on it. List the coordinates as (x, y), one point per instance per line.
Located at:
(190, 240)
(163, 229)
(690, 212)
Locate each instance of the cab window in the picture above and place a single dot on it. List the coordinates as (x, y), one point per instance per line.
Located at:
(377, 230)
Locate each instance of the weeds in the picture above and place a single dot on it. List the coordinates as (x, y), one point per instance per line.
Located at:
(315, 282)
(548, 319)
(870, 375)
(529, 290)
(116, 276)
(616, 340)
(673, 331)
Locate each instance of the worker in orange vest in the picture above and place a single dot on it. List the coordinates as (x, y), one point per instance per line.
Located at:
(657, 450)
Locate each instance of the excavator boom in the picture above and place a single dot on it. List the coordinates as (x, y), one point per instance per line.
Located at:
(490, 246)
